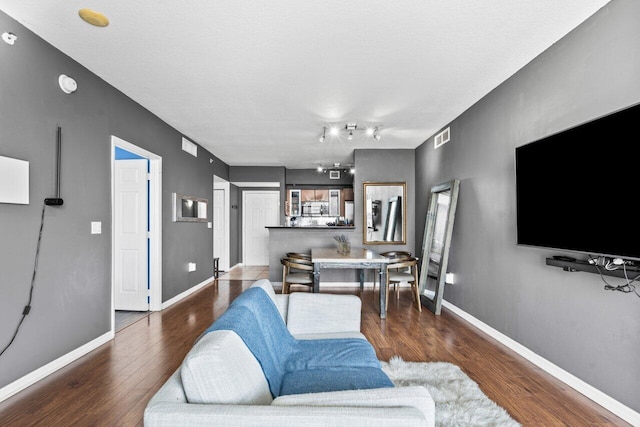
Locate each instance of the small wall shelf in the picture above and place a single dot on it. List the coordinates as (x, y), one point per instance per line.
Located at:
(579, 265)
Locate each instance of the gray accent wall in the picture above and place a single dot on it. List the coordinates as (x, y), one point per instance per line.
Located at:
(385, 166)
(382, 165)
(297, 177)
(567, 318)
(72, 298)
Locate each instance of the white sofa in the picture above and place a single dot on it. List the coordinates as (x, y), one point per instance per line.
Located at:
(226, 385)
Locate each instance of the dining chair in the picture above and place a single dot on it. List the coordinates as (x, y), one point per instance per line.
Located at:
(299, 255)
(404, 270)
(393, 255)
(296, 271)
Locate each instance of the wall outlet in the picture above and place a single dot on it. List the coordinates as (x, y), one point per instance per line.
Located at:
(191, 267)
(449, 278)
(96, 227)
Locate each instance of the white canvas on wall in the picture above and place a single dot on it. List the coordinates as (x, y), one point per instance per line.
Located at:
(14, 181)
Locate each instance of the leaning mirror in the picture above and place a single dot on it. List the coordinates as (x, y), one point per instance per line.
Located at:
(435, 245)
(385, 208)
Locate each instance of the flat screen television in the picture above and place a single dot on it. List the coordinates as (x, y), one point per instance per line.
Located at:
(576, 189)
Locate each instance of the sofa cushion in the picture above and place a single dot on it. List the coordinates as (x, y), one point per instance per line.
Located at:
(332, 353)
(333, 379)
(221, 369)
(310, 313)
(255, 318)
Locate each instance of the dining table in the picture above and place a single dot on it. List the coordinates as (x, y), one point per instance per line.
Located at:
(357, 258)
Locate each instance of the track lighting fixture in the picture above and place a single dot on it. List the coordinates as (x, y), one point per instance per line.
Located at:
(351, 130)
(336, 167)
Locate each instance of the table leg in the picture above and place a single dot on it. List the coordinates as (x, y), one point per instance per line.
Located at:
(316, 277)
(361, 279)
(383, 292)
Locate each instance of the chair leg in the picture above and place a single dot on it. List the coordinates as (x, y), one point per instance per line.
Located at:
(416, 294)
(285, 286)
(387, 292)
(396, 287)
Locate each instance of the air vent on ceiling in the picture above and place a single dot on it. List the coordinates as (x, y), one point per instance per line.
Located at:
(441, 138)
(189, 147)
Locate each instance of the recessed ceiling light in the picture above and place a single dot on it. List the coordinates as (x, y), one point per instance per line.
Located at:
(94, 18)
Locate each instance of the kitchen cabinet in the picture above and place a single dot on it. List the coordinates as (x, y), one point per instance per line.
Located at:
(317, 202)
(334, 202)
(308, 195)
(295, 203)
(321, 195)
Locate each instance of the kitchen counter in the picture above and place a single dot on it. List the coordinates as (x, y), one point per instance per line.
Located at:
(314, 227)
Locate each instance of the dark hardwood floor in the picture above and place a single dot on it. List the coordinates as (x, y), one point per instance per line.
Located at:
(111, 385)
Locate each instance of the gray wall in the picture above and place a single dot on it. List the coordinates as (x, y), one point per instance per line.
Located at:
(72, 297)
(254, 174)
(297, 177)
(385, 166)
(566, 318)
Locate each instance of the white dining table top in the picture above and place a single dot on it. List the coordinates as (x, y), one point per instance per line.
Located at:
(356, 255)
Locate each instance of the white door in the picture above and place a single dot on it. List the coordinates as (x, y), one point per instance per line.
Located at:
(259, 209)
(219, 228)
(130, 222)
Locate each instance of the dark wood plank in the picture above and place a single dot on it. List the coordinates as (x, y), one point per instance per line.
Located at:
(112, 385)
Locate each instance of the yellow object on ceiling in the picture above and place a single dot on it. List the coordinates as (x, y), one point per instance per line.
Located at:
(94, 18)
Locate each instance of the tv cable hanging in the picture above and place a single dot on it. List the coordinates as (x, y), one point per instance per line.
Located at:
(54, 201)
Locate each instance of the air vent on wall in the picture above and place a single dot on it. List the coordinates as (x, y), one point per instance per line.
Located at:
(441, 138)
(189, 147)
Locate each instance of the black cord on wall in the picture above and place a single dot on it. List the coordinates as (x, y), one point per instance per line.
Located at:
(27, 308)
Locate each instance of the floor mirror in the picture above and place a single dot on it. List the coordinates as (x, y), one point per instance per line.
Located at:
(435, 245)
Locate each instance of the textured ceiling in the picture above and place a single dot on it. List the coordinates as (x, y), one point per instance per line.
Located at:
(255, 82)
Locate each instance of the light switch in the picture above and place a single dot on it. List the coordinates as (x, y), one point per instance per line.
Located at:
(191, 267)
(209, 225)
(96, 227)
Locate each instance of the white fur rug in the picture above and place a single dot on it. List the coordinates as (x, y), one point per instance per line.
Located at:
(459, 400)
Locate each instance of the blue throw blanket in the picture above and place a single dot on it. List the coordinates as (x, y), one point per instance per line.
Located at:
(316, 365)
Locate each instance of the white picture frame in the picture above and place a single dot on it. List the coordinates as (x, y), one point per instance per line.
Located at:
(14, 181)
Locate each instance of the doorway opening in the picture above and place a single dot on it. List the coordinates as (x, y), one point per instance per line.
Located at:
(136, 231)
(260, 209)
(221, 223)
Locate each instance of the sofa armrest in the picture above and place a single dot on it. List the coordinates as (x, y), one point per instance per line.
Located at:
(169, 407)
(172, 415)
(416, 397)
(323, 313)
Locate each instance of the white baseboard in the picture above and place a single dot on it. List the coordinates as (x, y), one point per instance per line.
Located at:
(48, 369)
(236, 266)
(336, 284)
(186, 293)
(572, 381)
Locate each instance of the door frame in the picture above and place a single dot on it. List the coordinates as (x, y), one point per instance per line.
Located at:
(155, 223)
(244, 213)
(222, 184)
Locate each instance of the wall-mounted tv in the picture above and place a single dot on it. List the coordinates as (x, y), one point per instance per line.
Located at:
(576, 189)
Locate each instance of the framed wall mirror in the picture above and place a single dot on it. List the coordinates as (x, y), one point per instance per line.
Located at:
(189, 208)
(385, 213)
(435, 245)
